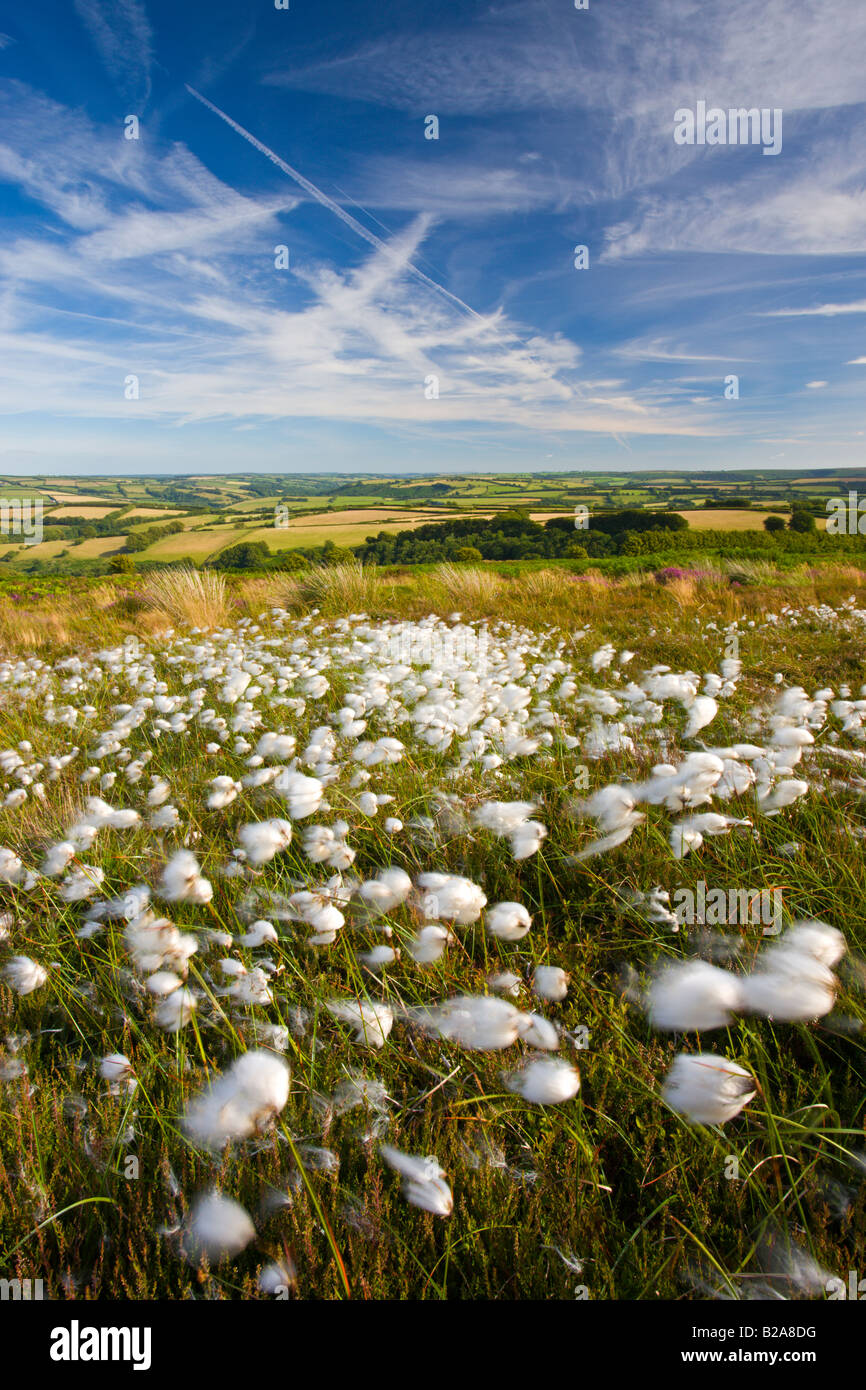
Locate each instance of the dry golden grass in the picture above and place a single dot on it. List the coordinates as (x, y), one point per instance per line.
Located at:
(91, 513)
(682, 591)
(468, 588)
(731, 519)
(33, 629)
(543, 587)
(347, 588)
(103, 595)
(268, 591)
(632, 603)
(187, 595)
(841, 574)
(153, 621)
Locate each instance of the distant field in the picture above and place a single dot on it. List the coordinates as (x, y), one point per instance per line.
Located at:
(196, 545)
(343, 528)
(368, 515)
(732, 520)
(84, 550)
(142, 513)
(89, 513)
(98, 545)
(77, 496)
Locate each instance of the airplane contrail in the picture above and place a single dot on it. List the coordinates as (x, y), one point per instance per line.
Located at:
(329, 203)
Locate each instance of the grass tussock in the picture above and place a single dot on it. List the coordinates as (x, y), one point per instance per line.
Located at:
(756, 571)
(475, 590)
(187, 595)
(268, 591)
(22, 631)
(347, 588)
(543, 586)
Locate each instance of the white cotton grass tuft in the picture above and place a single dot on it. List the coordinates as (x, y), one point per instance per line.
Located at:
(785, 793)
(277, 1278)
(537, 1031)
(477, 1022)
(550, 982)
(372, 1022)
(544, 1081)
(24, 975)
(482, 1022)
(154, 942)
(694, 995)
(81, 883)
(706, 1089)
(423, 1183)
(320, 911)
(688, 834)
(817, 939)
(701, 711)
(792, 979)
(508, 921)
(512, 819)
(57, 858)
(11, 867)
(175, 1010)
(262, 840)
(526, 839)
(259, 934)
(325, 844)
(182, 880)
(160, 791)
(163, 982)
(115, 1067)
(217, 1228)
(387, 890)
(303, 794)
(378, 957)
(251, 988)
(240, 1102)
(223, 791)
(429, 943)
(451, 898)
(505, 982)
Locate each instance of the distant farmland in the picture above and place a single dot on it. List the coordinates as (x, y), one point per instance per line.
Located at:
(217, 512)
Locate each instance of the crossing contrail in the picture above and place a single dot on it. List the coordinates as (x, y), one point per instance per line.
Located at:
(329, 203)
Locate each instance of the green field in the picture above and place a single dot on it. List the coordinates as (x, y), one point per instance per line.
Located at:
(217, 512)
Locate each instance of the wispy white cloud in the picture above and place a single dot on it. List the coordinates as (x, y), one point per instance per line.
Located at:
(660, 350)
(176, 272)
(663, 53)
(818, 211)
(121, 32)
(824, 311)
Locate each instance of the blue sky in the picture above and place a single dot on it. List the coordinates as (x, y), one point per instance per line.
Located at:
(411, 258)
